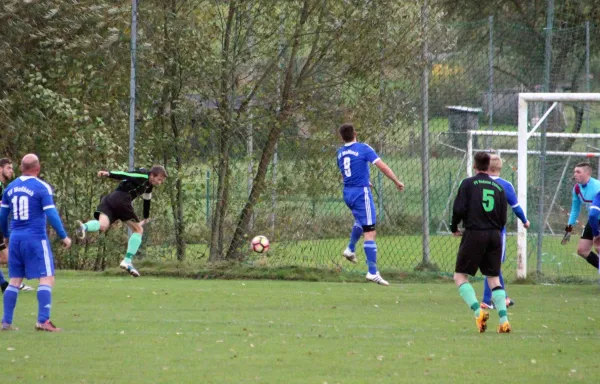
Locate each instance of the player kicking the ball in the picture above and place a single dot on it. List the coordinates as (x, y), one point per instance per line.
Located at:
(118, 205)
(353, 161)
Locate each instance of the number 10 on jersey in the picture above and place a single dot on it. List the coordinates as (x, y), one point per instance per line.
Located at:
(20, 207)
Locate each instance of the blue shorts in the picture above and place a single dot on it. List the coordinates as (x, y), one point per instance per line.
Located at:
(360, 201)
(30, 258)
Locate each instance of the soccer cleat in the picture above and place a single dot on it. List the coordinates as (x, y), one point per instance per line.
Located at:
(8, 327)
(350, 256)
(504, 327)
(25, 288)
(47, 326)
(481, 321)
(487, 306)
(509, 302)
(80, 230)
(376, 278)
(127, 266)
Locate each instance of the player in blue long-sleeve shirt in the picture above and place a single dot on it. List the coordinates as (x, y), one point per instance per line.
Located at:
(511, 197)
(584, 193)
(29, 252)
(594, 219)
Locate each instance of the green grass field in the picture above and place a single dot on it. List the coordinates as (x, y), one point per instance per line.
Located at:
(150, 330)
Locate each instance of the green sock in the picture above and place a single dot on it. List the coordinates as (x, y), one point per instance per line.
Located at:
(133, 245)
(468, 294)
(499, 299)
(92, 226)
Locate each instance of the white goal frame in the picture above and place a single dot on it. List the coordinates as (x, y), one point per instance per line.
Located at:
(523, 134)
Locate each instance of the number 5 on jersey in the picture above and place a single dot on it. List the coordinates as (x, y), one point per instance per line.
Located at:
(20, 207)
(488, 200)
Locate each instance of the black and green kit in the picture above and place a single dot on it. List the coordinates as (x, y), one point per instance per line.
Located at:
(481, 206)
(118, 205)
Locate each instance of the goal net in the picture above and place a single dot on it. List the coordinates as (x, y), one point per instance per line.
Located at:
(556, 131)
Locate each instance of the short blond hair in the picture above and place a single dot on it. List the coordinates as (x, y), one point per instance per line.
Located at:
(495, 163)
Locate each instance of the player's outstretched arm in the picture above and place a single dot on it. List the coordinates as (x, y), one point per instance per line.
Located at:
(383, 167)
(117, 175)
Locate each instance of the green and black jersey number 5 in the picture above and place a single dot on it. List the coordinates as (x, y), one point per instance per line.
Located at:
(488, 200)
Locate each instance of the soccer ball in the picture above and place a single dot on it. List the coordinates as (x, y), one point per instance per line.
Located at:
(260, 244)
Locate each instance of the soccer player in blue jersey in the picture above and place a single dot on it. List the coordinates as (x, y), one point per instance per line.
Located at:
(353, 161)
(511, 198)
(584, 193)
(118, 205)
(30, 255)
(6, 173)
(594, 221)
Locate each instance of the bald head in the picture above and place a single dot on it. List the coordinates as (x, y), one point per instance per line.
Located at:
(30, 165)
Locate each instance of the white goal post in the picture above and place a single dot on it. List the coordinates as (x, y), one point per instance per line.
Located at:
(523, 134)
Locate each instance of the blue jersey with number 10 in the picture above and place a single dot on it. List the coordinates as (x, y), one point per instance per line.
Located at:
(28, 197)
(353, 161)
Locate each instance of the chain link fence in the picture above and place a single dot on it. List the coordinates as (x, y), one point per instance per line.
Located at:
(249, 135)
(475, 72)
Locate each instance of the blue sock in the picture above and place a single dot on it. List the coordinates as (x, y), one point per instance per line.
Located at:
(10, 302)
(502, 282)
(2, 279)
(355, 235)
(487, 292)
(44, 296)
(371, 252)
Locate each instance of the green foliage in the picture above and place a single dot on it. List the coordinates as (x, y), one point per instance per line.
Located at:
(226, 88)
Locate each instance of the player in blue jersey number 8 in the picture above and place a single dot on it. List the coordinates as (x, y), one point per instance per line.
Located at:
(353, 162)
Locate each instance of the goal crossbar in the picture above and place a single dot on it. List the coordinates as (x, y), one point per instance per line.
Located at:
(548, 134)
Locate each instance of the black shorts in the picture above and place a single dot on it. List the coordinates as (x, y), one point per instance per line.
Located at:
(480, 250)
(587, 232)
(116, 206)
